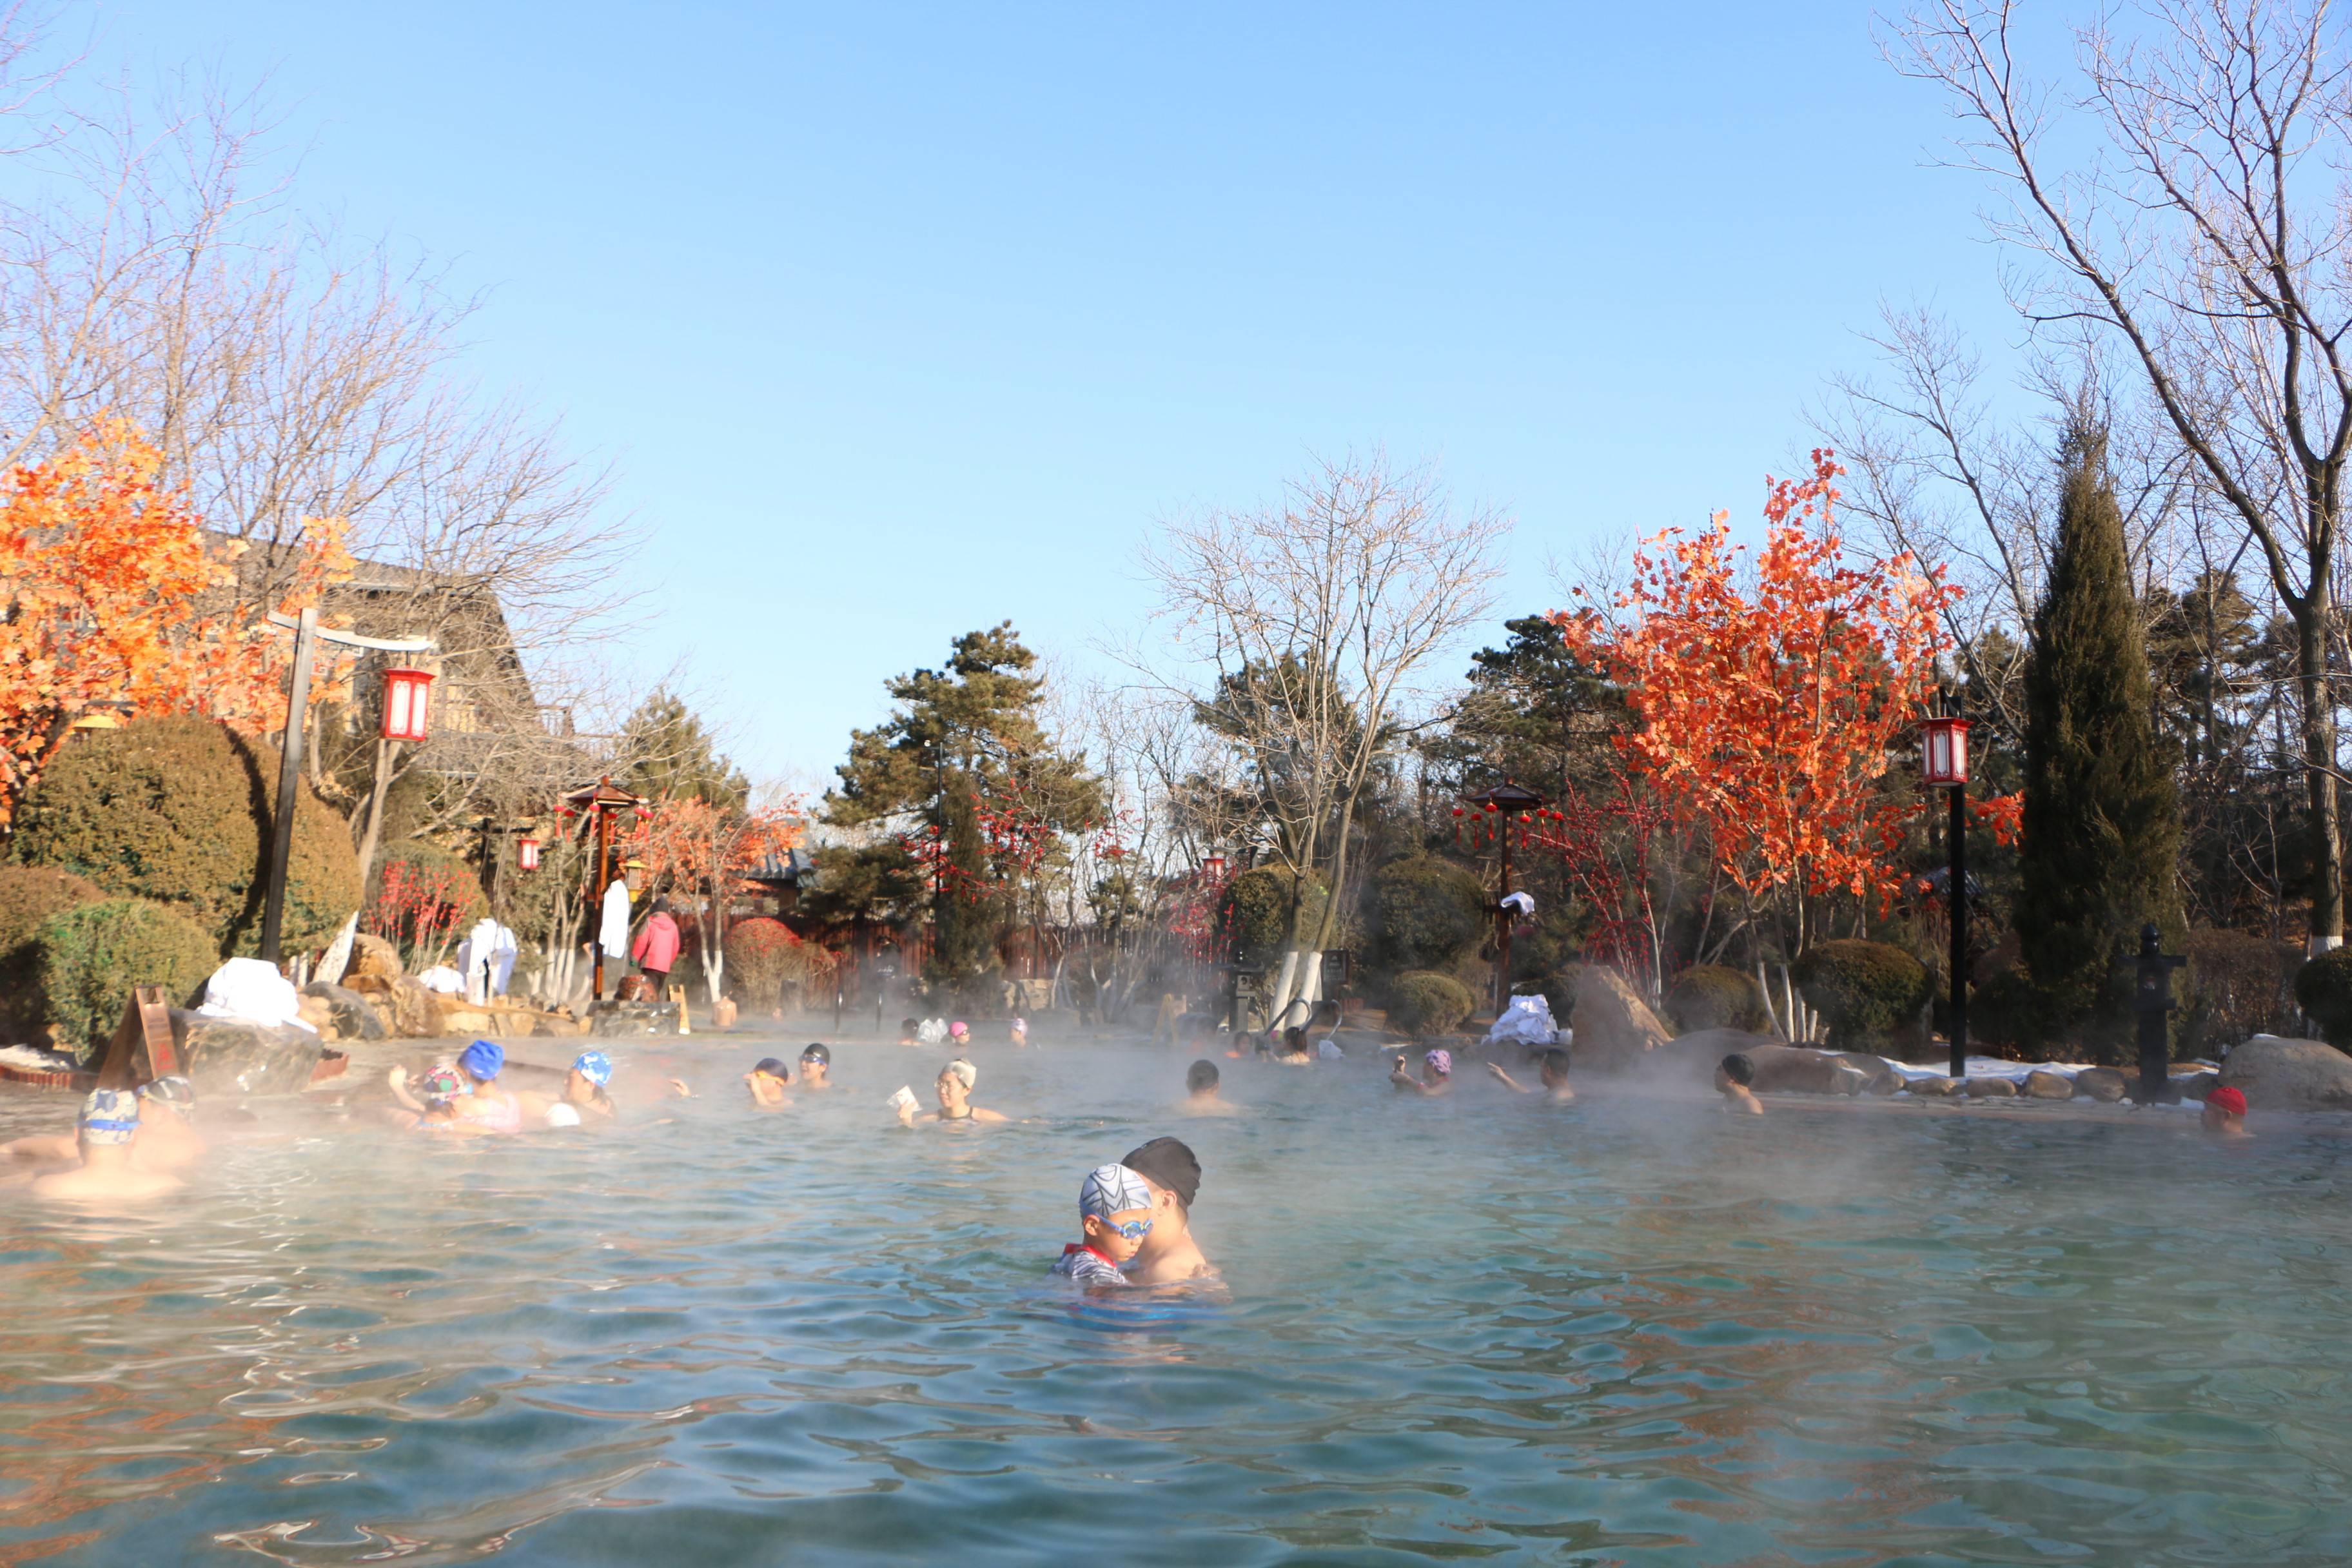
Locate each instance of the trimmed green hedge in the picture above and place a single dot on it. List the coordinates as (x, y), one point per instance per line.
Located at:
(90, 957)
(1422, 1002)
(1712, 996)
(2323, 988)
(28, 896)
(179, 811)
(1867, 992)
(1431, 913)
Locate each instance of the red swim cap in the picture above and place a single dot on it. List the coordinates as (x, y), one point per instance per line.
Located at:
(2229, 1099)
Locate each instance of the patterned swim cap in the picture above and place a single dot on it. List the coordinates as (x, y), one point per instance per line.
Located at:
(1443, 1060)
(171, 1090)
(1112, 1189)
(593, 1065)
(108, 1116)
(442, 1083)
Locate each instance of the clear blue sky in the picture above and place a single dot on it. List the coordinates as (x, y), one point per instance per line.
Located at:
(902, 321)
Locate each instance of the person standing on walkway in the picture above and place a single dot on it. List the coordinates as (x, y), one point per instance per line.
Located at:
(657, 948)
(612, 927)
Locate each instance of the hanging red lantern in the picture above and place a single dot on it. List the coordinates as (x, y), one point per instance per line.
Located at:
(527, 852)
(1944, 753)
(407, 699)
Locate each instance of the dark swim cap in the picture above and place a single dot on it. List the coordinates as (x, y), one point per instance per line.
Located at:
(773, 1068)
(1739, 1069)
(1170, 1163)
(818, 1054)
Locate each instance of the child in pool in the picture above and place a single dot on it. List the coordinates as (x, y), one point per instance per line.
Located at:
(1732, 1077)
(767, 1082)
(1553, 1068)
(1115, 1214)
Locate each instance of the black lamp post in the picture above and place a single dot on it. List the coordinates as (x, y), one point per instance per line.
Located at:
(1944, 764)
(1508, 805)
(407, 693)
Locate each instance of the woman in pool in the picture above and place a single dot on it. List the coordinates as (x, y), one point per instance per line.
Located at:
(1436, 1073)
(1169, 1255)
(953, 1087)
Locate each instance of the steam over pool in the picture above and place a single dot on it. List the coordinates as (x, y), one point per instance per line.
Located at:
(1475, 1328)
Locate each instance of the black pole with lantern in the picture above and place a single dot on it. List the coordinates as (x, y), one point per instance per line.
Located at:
(404, 701)
(1944, 764)
(1508, 806)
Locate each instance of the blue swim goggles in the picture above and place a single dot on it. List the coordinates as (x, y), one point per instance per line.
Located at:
(1132, 1229)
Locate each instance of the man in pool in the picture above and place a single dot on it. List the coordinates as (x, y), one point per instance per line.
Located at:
(110, 1118)
(2224, 1115)
(1168, 1255)
(1552, 1065)
(766, 1080)
(1732, 1077)
(1114, 1216)
(816, 1068)
(910, 1031)
(1436, 1073)
(1200, 1096)
(168, 1139)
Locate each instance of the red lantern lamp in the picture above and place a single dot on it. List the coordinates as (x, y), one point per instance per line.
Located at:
(527, 853)
(1944, 753)
(407, 701)
(1213, 867)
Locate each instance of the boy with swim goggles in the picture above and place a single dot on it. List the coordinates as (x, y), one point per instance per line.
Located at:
(1114, 1217)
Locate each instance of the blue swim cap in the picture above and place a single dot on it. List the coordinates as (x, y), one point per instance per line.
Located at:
(110, 1116)
(482, 1060)
(593, 1065)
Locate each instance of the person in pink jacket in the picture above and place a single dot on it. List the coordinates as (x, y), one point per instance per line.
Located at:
(655, 948)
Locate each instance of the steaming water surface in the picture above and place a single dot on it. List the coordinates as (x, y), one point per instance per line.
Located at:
(1476, 1329)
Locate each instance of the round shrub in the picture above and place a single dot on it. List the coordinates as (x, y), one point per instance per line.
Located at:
(28, 896)
(1422, 1003)
(91, 957)
(1431, 913)
(1866, 991)
(178, 810)
(1714, 996)
(426, 900)
(2244, 987)
(1253, 910)
(762, 957)
(2323, 988)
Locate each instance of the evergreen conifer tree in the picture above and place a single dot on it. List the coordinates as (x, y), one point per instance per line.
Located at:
(2102, 840)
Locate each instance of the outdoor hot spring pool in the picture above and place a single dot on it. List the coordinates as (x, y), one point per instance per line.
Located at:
(1478, 1330)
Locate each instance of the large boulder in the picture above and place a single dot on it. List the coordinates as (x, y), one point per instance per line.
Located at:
(230, 1057)
(374, 956)
(2276, 1074)
(415, 1014)
(2102, 1084)
(1935, 1087)
(355, 1018)
(2044, 1085)
(1615, 1029)
(1989, 1088)
(2289, 1075)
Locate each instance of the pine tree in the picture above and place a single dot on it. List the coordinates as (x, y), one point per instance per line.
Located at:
(2102, 841)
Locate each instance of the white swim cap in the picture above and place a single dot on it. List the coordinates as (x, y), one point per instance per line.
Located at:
(563, 1115)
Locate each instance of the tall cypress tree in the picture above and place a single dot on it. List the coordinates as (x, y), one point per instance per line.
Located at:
(2100, 855)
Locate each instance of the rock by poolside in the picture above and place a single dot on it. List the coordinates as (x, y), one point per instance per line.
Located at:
(2102, 1083)
(1989, 1088)
(355, 1018)
(2041, 1084)
(1615, 1029)
(1933, 1088)
(230, 1058)
(2276, 1074)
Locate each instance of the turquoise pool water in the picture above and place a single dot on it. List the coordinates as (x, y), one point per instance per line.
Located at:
(1476, 1329)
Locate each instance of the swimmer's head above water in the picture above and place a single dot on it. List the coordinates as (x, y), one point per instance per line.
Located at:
(1201, 1078)
(1115, 1211)
(482, 1061)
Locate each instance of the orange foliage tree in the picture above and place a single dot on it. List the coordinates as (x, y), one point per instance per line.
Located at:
(109, 595)
(1770, 702)
(703, 851)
